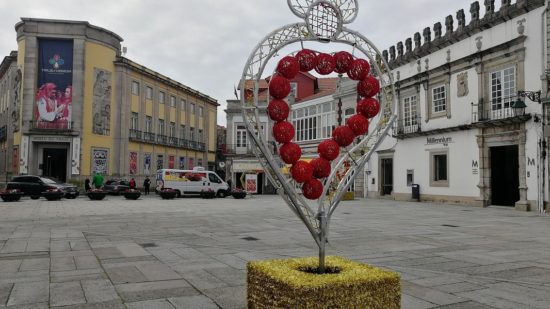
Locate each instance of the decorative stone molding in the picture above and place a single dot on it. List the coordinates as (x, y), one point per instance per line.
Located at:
(479, 43)
(521, 27)
(462, 84)
(449, 25)
(489, 7)
(437, 31)
(474, 12)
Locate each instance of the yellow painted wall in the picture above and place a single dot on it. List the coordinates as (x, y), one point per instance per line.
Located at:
(135, 103)
(149, 108)
(96, 56)
(212, 120)
(173, 114)
(161, 111)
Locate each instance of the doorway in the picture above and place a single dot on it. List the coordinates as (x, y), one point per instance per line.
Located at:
(504, 175)
(55, 163)
(386, 181)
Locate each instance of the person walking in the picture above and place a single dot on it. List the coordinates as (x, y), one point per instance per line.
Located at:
(87, 186)
(146, 185)
(132, 183)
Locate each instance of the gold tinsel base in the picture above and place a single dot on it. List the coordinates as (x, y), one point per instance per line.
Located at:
(281, 284)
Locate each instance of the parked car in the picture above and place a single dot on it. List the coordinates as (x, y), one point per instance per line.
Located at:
(33, 186)
(116, 186)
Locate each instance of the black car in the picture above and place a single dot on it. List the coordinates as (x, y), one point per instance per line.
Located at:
(33, 186)
(116, 186)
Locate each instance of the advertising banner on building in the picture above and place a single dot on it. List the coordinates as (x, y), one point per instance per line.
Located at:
(99, 161)
(171, 160)
(251, 183)
(133, 163)
(54, 95)
(147, 164)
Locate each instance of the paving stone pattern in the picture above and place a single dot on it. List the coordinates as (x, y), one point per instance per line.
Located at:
(192, 253)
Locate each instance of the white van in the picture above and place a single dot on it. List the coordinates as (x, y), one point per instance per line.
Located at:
(191, 181)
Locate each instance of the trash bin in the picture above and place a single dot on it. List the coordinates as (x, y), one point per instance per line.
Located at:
(415, 191)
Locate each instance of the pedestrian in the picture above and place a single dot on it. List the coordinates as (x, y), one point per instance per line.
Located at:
(97, 181)
(87, 186)
(132, 183)
(146, 184)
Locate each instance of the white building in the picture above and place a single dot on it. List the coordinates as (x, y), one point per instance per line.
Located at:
(458, 135)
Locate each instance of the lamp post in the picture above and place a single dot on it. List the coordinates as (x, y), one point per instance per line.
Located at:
(518, 107)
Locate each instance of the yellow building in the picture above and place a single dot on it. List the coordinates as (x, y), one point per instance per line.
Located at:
(71, 105)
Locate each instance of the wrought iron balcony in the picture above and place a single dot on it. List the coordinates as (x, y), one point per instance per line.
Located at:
(502, 109)
(407, 126)
(162, 139)
(234, 149)
(183, 143)
(149, 137)
(135, 135)
(173, 141)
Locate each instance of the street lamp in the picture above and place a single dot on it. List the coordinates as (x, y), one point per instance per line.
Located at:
(518, 107)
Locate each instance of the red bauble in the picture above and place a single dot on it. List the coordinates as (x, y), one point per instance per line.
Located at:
(321, 167)
(368, 107)
(368, 87)
(359, 69)
(343, 135)
(359, 124)
(288, 67)
(343, 60)
(312, 189)
(283, 132)
(290, 153)
(307, 60)
(325, 64)
(301, 171)
(278, 110)
(328, 149)
(279, 87)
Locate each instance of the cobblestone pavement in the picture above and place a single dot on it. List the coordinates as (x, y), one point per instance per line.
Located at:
(192, 253)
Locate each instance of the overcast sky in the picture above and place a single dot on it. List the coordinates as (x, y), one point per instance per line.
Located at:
(204, 44)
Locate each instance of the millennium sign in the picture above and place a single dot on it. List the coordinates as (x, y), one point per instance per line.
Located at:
(439, 140)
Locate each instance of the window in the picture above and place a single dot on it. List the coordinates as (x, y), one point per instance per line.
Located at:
(183, 104)
(241, 136)
(172, 101)
(438, 99)
(314, 122)
(182, 131)
(192, 134)
(199, 162)
(134, 121)
(294, 89)
(172, 129)
(439, 166)
(148, 124)
(192, 108)
(348, 113)
(200, 111)
(161, 127)
(135, 88)
(503, 88)
(149, 93)
(161, 97)
(409, 111)
(160, 161)
(200, 136)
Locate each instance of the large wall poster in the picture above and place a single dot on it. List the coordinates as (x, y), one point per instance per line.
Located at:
(53, 108)
(101, 102)
(147, 164)
(133, 163)
(100, 158)
(171, 160)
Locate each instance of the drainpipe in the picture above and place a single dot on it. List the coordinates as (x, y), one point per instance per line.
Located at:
(541, 177)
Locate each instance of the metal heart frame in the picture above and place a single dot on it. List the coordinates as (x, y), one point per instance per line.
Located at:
(350, 162)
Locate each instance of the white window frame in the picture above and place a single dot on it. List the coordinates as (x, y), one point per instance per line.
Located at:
(172, 101)
(148, 124)
(172, 129)
(502, 89)
(161, 127)
(149, 93)
(135, 87)
(192, 108)
(182, 131)
(439, 99)
(134, 121)
(183, 104)
(162, 97)
(435, 180)
(410, 105)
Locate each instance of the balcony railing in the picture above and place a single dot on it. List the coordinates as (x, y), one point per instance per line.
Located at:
(152, 138)
(494, 110)
(407, 126)
(233, 149)
(135, 135)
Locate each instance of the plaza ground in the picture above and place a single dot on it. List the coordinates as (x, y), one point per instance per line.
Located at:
(192, 253)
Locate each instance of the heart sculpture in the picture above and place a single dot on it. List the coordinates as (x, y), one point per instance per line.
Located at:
(327, 177)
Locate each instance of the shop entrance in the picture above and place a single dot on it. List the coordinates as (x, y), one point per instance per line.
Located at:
(55, 163)
(386, 180)
(504, 175)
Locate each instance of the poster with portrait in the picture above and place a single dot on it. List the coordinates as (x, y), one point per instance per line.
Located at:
(182, 163)
(133, 163)
(99, 161)
(251, 183)
(171, 161)
(147, 164)
(54, 94)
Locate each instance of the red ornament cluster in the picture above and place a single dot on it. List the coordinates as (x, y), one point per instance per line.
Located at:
(308, 174)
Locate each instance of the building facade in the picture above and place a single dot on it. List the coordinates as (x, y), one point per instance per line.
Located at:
(73, 105)
(462, 133)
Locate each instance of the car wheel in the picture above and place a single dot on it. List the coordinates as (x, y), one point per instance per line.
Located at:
(35, 197)
(178, 193)
(222, 194)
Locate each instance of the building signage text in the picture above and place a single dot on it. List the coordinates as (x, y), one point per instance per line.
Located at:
(439, 140)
